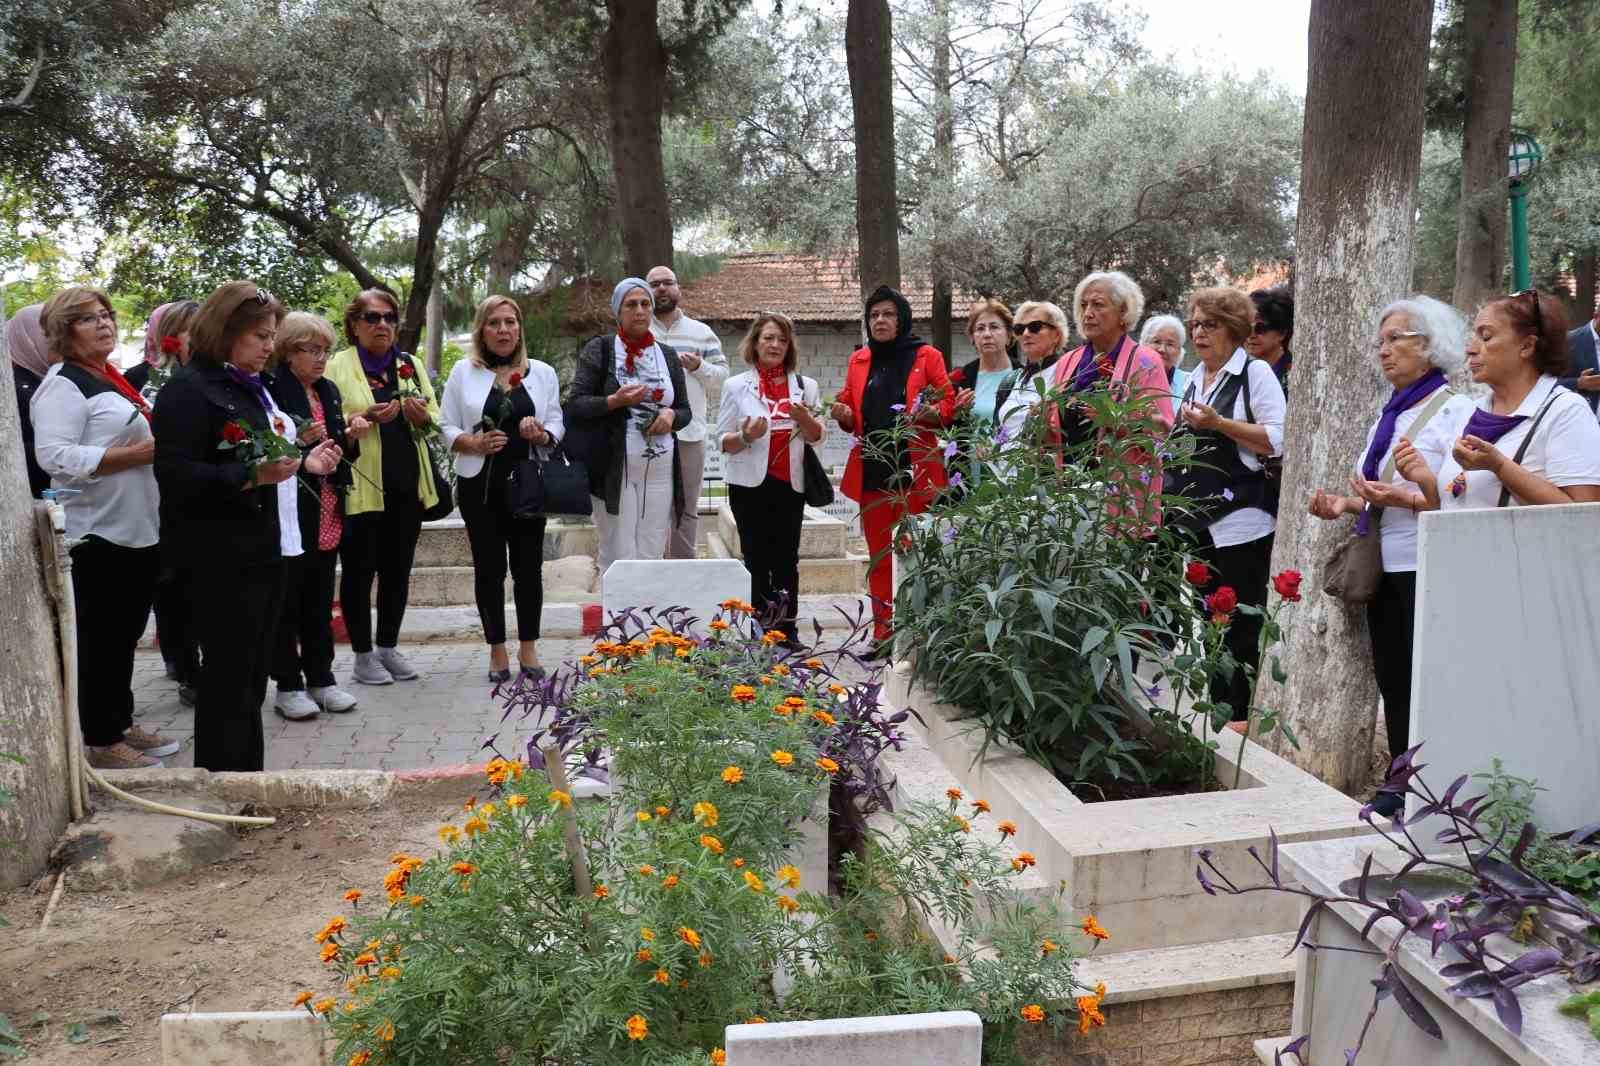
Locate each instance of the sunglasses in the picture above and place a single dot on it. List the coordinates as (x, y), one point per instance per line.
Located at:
(1538, 316)
(1031, 327)
(372, 318)
(1259, 327)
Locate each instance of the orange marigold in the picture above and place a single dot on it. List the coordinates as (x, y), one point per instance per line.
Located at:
(782, 758)
(474, 825)
(330, 951)
(366, 958)
(559, 798)
(661, 977)
(1050, 946)
(662, 812)
(732, 775)
(353, 895)
(646, 870)
(788, 875)
(1033, 1014)
(755, 1019)
(689, 936)
(773, 636)
(324, 1005)
(1007, 829)
(516, 800)
(753, 882)
(953, 793)
(717, 625)
(1093, 928)
(638, 1028)
(417, 901)
(837, 690)
(601, 892)
(961, 823)
(711, 843)
(1023, 860)
(706, 960)
(465, 869)
(743, 693)
(786, 903)
(302, 999)
(738, 863)
(670, 881)
(824, 718)
(449, 834)
(643, 955)
(360, 1058)
(981, 806)
(385, 1030)
(718, 1057)
(813, 664)
(1089, 1013)
(335, 926)
(827, 765)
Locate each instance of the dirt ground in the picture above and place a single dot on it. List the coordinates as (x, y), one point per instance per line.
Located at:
(235, 935)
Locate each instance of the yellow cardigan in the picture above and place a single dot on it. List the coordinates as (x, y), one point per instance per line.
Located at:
(345, 371)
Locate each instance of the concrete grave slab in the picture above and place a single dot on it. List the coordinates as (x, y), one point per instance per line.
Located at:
(243, 1038)
(123, 847)
(698, 584)
(949, 1038)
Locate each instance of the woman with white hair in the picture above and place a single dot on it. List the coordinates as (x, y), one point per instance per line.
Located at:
(1420, 340)
(626, 401)
(1164, 335)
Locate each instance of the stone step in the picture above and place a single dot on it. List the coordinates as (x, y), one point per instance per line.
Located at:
(444, 543)
(822, 536)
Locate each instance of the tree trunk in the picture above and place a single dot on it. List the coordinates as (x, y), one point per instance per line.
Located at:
(1584, 274)
(1490, 32)
(435, 332)
(868, 35)
(636, 84)
(944, 156)
(31, 726)
(1357, 221)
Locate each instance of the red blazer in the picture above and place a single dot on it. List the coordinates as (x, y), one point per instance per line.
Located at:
(927, 464)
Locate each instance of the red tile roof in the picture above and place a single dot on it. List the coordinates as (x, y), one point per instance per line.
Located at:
(807, 288)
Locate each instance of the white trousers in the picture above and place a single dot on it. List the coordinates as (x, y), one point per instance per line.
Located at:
(643, 520)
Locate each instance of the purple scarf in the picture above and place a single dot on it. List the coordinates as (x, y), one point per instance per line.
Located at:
(377, 365)
(1490, 427)
(252, 384)
(1399, 400)
(1088, 371)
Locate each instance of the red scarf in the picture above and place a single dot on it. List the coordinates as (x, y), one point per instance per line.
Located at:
(633, 351)
(109, 373)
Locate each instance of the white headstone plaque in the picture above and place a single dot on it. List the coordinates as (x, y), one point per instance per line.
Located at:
(698, 584)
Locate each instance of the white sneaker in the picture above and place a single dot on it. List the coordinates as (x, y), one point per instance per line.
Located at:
(369, 670)
(333, 699)
(295, 706)
(396, 664)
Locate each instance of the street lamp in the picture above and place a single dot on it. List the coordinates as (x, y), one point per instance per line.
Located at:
(1523, 159)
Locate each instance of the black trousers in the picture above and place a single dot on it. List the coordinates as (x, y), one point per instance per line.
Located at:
(180, 644)
(494, 537)
(1391, 620)
(303, 653)
(238, 620)
(112, 588)
(769, 516)
(379, 544)
(1244, 567)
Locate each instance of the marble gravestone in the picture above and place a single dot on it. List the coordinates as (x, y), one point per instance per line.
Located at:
(698, 584)
(948, 1038)
(1507, 659)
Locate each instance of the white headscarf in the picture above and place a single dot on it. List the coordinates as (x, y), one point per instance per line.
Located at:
(26, 342)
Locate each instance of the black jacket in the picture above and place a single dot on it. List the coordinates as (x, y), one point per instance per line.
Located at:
(27, 383)
(1581, 357)
(291, 397)
(597, 435)
(207, 514)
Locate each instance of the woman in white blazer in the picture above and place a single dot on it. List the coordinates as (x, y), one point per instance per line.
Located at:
(498, 405)
(765, 422)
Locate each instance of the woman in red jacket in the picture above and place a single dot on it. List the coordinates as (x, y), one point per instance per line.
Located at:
(884, 382)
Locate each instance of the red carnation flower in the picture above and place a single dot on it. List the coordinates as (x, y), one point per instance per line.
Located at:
(233, 433)
(1222, 603)
(1197, 574)
(656, 395)
(515, 380)
(1287, 585)
(405, 371)
(171, 345)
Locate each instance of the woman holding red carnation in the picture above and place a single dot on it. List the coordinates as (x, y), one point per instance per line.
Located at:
(230, 508)
(498, 407)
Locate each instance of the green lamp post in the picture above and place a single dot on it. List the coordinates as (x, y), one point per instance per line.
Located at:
(1524, 157)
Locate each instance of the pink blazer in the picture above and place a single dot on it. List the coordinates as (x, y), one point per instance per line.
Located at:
(1139, 372)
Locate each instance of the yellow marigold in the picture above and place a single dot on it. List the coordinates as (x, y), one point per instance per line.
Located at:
(389, 973)
(1050, 946)
(954, 794)
(773, 636)
(601, 891)
(824, 718)
(961, 823)
(682, 653)
(642, 816)
(767, 679)
(788, 875)
(1007, 829)
(647, 934)
(782, 758)
(474, 825)
(559, 798)
(755, 1019)
(786, 903)
(1033, 1014)
(324, 1005)
(670, 881)
(638, 1028)
(981, 806)
(836, 690)
(366, 958)
(780, 669)
(661, 977)
(718, 1057)
(596, 671)
(1023, 860)
(717, 625)
(662, 812)
(352, 895)
(783, 710)
(360, 1058)
(813, 664)
(827, 765)
(706, 814)
(742, 693)
(374, 944)
(646, 870)
(711, 843)
(385, 1030)
(417, 901)
(738, 863)
(689, 936)
(1089, 1013)
(732, 775)
(301, 1000)
(449, 834)
(1093, 928)
(516, 800)
(488, 810)
(588, 660)
(465, 869)
(753, 882)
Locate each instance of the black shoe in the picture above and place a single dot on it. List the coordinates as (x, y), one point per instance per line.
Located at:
(186, 695)
(173, 673)
(499, 677)
(532, 673)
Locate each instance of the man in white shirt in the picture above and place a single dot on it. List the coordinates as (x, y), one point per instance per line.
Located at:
(700, 352)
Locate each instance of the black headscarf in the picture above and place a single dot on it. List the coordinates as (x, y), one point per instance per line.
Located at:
(891, 365)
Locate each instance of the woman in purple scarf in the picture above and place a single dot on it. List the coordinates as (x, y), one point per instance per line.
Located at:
(1419, 341)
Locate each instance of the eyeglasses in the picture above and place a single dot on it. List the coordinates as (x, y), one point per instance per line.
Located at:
(97, 318)
(1538, 316)
(1203, 325)
(315, 352)
(372, 318)
(1031, 327)
(1391, 338)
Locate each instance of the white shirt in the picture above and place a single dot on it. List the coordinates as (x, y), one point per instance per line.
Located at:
(1023, 398)
(1266, 400)
(1565, 451)
(741, 399)
(690, 335)
(72, 433)
(650, 370)
(288, 506)
(1397, 530)
(461, 410)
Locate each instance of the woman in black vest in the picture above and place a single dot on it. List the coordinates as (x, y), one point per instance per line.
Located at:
(1233, 406)
(231, 512)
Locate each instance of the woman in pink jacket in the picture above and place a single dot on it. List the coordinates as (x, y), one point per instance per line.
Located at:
(1106, 307)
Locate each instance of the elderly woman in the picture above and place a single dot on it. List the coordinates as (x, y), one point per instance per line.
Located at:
(92, 436)
(883, 380)
(499, 406)
(765, 423)
(30, 362)
(226, 459)
(302, 660)
(1165, 335)
(1527, 441)
(1420, 340)
(626, 400)
(989, 329)
(1041, 332)
(166, 346)
(1233, 408)
(383, 509)
(1271, 330)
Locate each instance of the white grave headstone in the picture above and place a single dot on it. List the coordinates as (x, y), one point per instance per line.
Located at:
(698, 584)
(949, 1038)
(1507, 653)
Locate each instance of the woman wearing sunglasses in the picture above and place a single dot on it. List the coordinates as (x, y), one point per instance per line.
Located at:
(1528, 441)
(1272, 330)
(383, 510)
(1041, 332)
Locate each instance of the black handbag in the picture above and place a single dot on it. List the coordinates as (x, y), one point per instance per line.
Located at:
(819, 490)
(441, 485)
(554, 486)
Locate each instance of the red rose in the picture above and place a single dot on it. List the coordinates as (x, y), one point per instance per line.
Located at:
(405, 371)
(1287, 585)
(958, 376)
(515, 380)
(233, 433)
(1144, 608)
(171, 345)
(1222, 603)
(1103, 365)
(656, 395)
(1197, 574)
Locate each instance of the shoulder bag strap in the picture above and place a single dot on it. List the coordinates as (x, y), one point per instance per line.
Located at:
(1435, 403)
(1522, 449)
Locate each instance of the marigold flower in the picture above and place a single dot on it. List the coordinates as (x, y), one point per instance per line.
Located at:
(836, 690)
(813, 664)
(559, 798)
(1033, 1014)
(742, 693)
(1007, 829)
(302, 999)
(1089, 1013)
(353, 896)
(961, 823)
(396, 894)
(717, 625)
(871, 934)
(647, 934)
(354, 984)
(516, 801)
(417, 901)
(981, 806)
(706, 814)
(1050, 946)
(588, 660)
(773, 636)
(788, 875)
(718, 1057)
(755, 1019)
(782, 758)
(324, 1005)
(767, 679)
(754, 883)
(786, 903)
(824, 718)
(474, 825)
(827, 765)
(954, 794)
(1093, 928)
(661, 977)
(682, 653)
(689, 936)
(706, 960)
(783, 710)
(949, 960)
(389, 973)
(360, 1058)
(366, 958)
(670, 881)
(487, 811)
(1023, 860)
(638, 1028)
(738, 863)
(449, 834)
(472, 801)
(644, 955)
(732, 775)
(465, 869)
(646, 870)
(335, 926)
(711, 843)
(662, 812)
(385, 1030)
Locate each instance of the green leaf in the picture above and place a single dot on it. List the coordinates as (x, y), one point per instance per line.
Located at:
(991, 632)
(1278, 673)
(1093, 639)
(77, 1033)
(8, 1031)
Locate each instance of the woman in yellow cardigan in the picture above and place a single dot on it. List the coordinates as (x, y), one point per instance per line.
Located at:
(394, 483)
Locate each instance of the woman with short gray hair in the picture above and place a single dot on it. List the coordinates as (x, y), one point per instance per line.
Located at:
(1165, 335)
(1420, 340)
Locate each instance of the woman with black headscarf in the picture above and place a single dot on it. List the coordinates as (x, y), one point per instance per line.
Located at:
(895, 375)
